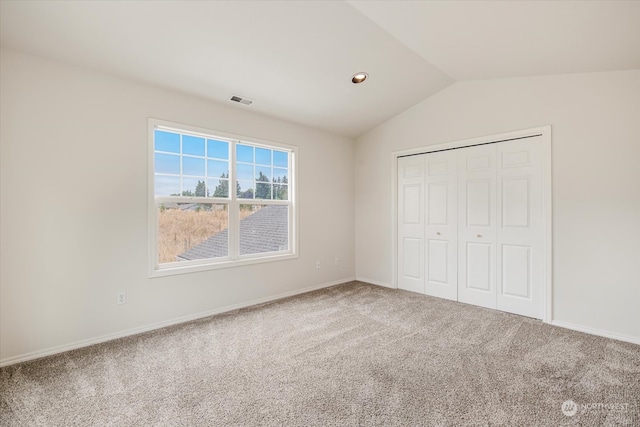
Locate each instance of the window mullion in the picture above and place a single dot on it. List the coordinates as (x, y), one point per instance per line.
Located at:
(206, 169)
(234, 207)
(181, 172)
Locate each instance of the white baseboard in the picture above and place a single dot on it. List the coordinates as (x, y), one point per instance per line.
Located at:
(85, 343)
(375, 282)
(566, 325)
(594, 331)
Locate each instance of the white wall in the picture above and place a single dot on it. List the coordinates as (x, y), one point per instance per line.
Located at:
(74, 208)
(595, 122)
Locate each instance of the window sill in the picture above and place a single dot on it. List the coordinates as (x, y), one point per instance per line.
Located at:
(217, 265)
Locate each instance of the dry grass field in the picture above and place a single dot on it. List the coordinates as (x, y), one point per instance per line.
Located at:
(180, 230)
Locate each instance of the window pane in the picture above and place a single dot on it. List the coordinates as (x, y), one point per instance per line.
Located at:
(193, 187)
(263, 229)
(280, 175)
(245, 172)
(280, 159)
(263, 190)
(280, 192)
(244, 153)
(192, 145)
(218, 187)
(188, 231)
(245, 189)
(167, 185)
(263, 156)
(192, 166)
(166, 163)
(263, 173)
(217, 149)
(217, 168)
(166, 141)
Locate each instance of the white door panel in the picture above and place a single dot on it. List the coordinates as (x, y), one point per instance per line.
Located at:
(437, 209)
(441, 225)
(515, 201)
(411, 217)
(478, 267)
(479, 199)
(516, 271)
(477, 226)
(520, 235)
(438, 261)
(412, 249)
(412, 198)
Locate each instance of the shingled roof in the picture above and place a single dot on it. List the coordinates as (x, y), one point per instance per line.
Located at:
(265, 230)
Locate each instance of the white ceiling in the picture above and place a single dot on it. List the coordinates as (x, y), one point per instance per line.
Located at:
(295, 59)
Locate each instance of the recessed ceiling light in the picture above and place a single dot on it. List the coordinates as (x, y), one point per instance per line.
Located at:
(359, 78)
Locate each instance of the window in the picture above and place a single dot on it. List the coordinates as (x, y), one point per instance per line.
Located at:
(217, 200)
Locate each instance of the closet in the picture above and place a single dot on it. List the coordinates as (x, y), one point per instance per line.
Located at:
(470, 225)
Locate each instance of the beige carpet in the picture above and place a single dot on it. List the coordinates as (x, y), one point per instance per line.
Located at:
(350, 355)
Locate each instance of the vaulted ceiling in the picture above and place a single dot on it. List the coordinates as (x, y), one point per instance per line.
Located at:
(296, 58)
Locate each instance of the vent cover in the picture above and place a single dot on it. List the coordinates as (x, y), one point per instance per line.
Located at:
(241, 100)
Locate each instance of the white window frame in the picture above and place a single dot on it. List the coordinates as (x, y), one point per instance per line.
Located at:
(234, 259)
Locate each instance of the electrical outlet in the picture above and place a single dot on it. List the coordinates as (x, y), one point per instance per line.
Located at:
(122, 297)
(317, 264)
(337, 262)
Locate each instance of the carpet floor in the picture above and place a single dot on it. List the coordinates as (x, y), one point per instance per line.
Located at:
(349, 355)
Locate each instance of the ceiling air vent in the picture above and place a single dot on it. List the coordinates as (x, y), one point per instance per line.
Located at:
(241, 100)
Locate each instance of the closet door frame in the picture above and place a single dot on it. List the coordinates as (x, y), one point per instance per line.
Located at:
(545, 133)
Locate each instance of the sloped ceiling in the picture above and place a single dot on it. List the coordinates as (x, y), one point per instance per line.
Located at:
(296, 58)
(475, 40)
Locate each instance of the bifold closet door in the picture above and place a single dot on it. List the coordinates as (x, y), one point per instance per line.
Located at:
(470, 225)
(520, 239)
(411, 218)
(500, 229)
(441, 237)
(477, 225)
